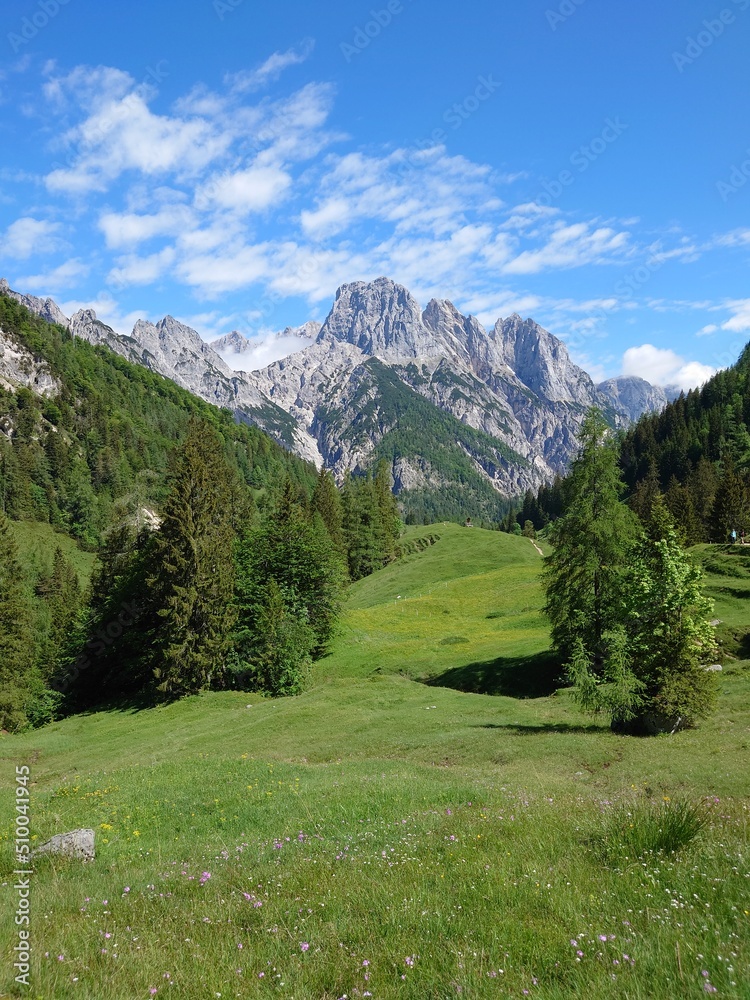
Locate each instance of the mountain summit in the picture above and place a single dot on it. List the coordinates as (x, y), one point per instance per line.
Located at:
(457, 411)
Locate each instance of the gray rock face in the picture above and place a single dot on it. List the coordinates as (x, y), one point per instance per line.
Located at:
(46, 308)
(515, 383)
(380, 318)
(18, 367)
(75, 844)
(633, 396)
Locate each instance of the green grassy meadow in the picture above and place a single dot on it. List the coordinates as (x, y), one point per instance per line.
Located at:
(432, 819)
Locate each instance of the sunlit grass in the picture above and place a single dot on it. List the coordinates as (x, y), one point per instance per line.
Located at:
(378, 836)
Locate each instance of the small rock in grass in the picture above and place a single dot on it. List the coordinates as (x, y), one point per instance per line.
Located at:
(75, 844)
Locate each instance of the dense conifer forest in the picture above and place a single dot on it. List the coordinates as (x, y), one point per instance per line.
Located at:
(695, 453)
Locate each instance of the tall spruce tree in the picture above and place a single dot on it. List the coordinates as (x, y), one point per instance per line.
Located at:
(583, 574)
(362, 531)
(326, 501)
(282, 647)
(731, 510)
(193, 579)
(295, 550)
(109, 652)
(16, 638)
(389, 522)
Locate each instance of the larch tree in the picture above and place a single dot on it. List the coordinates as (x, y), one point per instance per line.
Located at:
(583, 574)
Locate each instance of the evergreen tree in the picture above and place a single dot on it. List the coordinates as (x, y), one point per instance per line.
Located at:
(16, 639)
(283, 645)
(702, 487)
(670, 640)
(109, 651)
(361, 527)
(193, 579)
(583, 574)
(679, 503)
(646, 491)
(731, 507)
(296, 552)
(389, 522)
(326, 501)
(58, 611)
(653, 677)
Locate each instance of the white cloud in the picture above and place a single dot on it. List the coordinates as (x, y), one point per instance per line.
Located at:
(129, 229)
(27, 237)
(133, 270)
(740, 320)
(108, 310)
(264, 351)
(707, 330)
(571, 246)
(272, 68)
(227, 270)
(122, 134)
(250, 190)
(662, 366)
(60, 278)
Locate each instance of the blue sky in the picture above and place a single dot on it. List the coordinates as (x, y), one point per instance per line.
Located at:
(231, 162)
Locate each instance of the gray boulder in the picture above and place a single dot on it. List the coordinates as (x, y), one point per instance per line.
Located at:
(75, 844)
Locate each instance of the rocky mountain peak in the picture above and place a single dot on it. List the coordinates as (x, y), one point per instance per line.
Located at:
(633, 395)
(231, 343)
(48, 309)
(381, 318)
(541, 361)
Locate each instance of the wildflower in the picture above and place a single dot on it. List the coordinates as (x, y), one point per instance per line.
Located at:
(304, 945)
(602, 937)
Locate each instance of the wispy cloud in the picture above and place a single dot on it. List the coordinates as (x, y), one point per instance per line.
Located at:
(27, 237)
(272, 68)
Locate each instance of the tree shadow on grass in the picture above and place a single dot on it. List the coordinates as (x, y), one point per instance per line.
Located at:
(536, 676)
(548, 727)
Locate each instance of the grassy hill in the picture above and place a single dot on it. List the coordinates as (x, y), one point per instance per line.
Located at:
(392, 832)
(36, 547)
